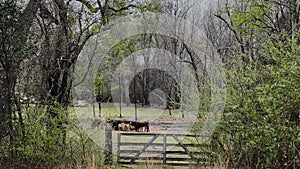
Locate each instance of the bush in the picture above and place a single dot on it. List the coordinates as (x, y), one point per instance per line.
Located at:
(38, 143)
(261, 127)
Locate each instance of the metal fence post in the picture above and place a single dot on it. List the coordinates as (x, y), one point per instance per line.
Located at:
(118, 146)
(164, 149)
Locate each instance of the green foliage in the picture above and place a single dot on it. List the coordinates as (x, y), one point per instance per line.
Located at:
(15, 47)
(261, 127)
(15, 44)
(38, 140)
(149, 8)
(37, 144)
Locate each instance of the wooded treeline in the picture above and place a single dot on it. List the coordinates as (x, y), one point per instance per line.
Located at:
(257, 40)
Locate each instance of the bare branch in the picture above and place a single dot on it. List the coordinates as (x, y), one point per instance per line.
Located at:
(88, 5)
(123, 8)
(229, 27)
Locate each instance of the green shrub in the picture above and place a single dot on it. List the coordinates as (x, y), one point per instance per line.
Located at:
(261, 128)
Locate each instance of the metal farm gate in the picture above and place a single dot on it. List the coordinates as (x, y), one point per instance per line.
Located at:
(157, 148)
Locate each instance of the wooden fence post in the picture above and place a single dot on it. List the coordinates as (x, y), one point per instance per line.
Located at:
(108, 144)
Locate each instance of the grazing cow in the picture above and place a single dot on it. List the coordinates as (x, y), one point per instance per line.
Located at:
(125, 127)
(131, 127)
(115, 124)
(140, 125)
(121, 127)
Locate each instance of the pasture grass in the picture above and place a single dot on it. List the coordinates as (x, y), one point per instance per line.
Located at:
(109, 110)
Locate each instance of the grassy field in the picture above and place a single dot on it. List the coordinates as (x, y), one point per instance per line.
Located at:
(128, 112)
(159, 118)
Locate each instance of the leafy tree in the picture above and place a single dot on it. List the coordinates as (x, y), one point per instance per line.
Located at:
(16, 46)
(63, 29)
(14, 49)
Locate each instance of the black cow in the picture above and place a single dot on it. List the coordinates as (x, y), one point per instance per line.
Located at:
(140, 124)
(115, 124)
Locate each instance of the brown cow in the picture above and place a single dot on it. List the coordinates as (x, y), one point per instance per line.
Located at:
(125, 127)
